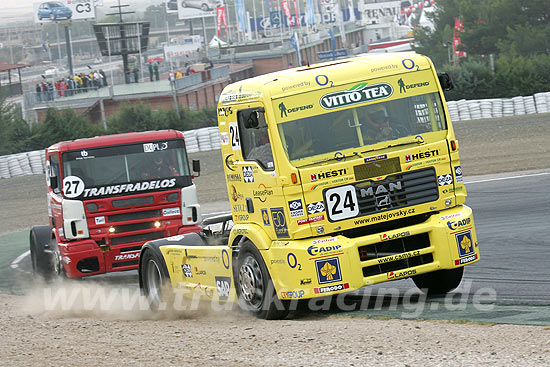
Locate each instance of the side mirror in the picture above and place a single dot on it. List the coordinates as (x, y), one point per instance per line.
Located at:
(197, 167)
(445, 80)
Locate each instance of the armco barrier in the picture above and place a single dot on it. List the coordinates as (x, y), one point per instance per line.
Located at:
(207, 138)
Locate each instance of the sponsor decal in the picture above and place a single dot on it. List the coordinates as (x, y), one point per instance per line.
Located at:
(328, 270)
(314, 219)
(324, 240)
(225, 259)
(384, 216)
(298, 85)
(225, 111)
(153, 147)
(359, 93)
(466, 260)
(262, 192)
(400, 274)
(100, 220)
(224, 138)
(402, 256)
(233, 177)
(412, 86)
(296, 109)
(240, 231)
(425, 163)
(174, 238)
(305, 281)
(279, 222)
(317, 207)
(186, 268)
(376, 158)
(235, 195)
(239, 208)
(458, 174)
(329, 174)
(293, 294)
(315, 250)
(386, 237)
(296, 208)
(277, 261)
(318, 185)
(240, 217)
(234, 136)
(223, 284)
(128, 256)
(265, 217)
(248, 175)
(171, 250)
(66, 260)
(170, 211)
(199, 272)
(450, 190)
(450, 216)
(445, 179)
(465, 244)
(339, 156)
(128, 188)
(457, 224)
(331, 288)
(421, 155)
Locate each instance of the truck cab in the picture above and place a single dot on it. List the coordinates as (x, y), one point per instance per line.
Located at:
(107, 196)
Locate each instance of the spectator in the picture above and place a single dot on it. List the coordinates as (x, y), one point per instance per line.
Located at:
(103, 77)
(136, 76)
(38, 93)
(150, 65)
(156, 68)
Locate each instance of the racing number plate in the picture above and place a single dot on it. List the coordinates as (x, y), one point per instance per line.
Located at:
(341, 202)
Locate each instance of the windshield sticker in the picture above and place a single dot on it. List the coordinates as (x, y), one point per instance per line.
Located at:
(359, 93)
(153, 147)
(73, 186)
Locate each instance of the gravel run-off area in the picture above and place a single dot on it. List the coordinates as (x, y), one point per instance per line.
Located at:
(34, 333)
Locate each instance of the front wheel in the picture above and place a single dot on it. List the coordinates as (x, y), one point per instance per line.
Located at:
(153, 279)
(439, 282)
(254, 286)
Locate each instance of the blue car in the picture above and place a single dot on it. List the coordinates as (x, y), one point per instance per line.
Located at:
(54, 10)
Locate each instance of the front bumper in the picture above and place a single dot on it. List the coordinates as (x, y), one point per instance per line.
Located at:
(317, 267)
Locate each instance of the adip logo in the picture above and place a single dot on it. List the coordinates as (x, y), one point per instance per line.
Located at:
(465, 243)
(328, 270)
(248, 175)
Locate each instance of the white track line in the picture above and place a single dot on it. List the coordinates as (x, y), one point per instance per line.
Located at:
(508, 178)
(15, 263)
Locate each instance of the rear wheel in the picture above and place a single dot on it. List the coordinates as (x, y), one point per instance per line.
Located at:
(153, 279)
(255, 288)
(439, 282)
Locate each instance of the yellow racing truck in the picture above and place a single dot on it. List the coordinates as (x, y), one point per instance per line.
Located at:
(340, 175)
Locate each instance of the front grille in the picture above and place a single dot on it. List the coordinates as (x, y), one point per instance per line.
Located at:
(397, 191)
(134, 227)
(137, 238)
(393, 247)
(122, 203)
(133, 216)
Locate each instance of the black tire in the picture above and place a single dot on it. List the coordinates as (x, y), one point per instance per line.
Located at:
(439, 282)
(254, 286)
(154, 279)
(42, 257)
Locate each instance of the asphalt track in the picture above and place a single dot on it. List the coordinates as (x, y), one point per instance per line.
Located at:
(510, 284)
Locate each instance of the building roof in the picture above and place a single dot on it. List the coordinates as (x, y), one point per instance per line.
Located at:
(6, 67)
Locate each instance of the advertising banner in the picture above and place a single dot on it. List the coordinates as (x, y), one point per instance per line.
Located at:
(63, 10)
(188, 9)
(191, 44)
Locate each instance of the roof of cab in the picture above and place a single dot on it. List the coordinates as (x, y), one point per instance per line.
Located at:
(301, 79)
(115, 139)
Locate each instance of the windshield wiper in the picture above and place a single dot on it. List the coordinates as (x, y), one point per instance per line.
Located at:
(327, 159)
(393, 145)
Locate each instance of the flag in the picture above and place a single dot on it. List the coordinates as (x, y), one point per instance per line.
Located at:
(310, 12)
(220, 19)
(332, 43)
(286, 9)
(297, 24)
(241, 15)
(46, 44)
(296, 44)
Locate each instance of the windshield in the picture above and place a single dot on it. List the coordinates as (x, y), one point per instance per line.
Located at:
(127, 163)
(361, 126)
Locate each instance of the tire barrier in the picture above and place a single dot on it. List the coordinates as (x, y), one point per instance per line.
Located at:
(208, 138)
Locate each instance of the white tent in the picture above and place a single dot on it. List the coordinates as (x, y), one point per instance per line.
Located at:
(216, 42)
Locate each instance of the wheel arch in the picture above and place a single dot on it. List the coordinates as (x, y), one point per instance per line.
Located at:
(155, 247)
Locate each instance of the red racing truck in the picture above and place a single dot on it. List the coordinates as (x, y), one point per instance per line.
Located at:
(107, 196)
